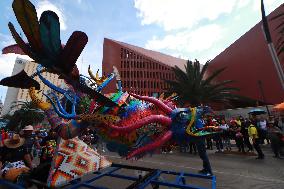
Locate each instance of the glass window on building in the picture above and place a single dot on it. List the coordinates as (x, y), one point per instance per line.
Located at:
(121, 53)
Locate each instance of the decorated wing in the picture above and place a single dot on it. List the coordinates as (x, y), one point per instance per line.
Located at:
(26, 15)
(15, 48)
(20, 80)
(50, 34)
(72, 50)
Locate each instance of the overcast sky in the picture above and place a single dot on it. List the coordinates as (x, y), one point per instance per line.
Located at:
(190, 29)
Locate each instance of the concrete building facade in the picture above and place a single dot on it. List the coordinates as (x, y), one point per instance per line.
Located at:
(142, 71)
(248, 62)
(16, 94)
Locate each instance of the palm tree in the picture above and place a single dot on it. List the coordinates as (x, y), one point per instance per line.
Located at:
(194, 88)
(24, 113)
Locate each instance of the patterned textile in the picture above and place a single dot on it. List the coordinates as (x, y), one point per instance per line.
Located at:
(11, 171)
(16, 165)
(74, 159)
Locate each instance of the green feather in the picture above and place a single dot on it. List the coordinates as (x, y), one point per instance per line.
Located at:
(50, 34)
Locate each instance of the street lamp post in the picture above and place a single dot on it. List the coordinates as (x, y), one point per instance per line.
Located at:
(262, 96)
(271, 47)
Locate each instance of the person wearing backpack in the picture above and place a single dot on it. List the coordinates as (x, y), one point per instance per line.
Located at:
(253, 134)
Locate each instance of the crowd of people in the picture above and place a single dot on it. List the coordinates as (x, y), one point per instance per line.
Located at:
(248, 134)
(18, 150)
(28, 155)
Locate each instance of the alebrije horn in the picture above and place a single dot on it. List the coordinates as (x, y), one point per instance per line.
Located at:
(155, 101)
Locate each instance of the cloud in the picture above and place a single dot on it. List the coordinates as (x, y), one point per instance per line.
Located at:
(188, 41)
(6, 40)
(243, 3)
(180, 14)
(6, 64)
(6, 61)
(47, 5)
(269, 5)
(199, 29)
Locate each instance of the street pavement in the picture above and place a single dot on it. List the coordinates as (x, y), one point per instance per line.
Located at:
(232, 171)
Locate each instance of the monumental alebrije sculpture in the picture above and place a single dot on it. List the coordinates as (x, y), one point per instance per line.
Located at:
(132, 125)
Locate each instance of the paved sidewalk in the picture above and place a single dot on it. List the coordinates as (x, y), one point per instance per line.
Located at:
(233, 171)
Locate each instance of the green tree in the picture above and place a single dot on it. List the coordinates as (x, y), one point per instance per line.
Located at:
(25, 113)
(194, 88)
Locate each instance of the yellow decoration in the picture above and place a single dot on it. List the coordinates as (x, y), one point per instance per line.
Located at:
(188, 129)
(97, 79)
(37, 101)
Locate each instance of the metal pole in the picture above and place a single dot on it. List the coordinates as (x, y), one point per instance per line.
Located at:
(262, 96)
(271, 48)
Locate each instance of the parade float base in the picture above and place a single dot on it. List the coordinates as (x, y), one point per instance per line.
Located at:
(131, 177)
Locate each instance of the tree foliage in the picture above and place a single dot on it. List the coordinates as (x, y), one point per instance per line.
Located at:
(194, 88)
(25, 113)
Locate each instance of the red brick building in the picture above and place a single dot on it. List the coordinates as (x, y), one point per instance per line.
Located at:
(142, 71)
(248, 61)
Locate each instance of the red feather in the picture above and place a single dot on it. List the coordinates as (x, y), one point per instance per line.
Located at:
(72, 50)
(26, 49)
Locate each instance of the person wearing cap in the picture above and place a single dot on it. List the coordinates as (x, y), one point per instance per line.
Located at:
(253, 133)
(30, 140)
(14, 158)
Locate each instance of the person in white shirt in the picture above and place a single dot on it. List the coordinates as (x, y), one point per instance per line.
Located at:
(225, 134)
(262, 125)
